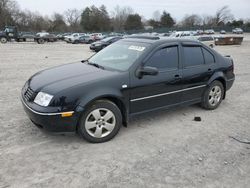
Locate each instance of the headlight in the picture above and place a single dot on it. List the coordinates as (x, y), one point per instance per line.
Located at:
(43, 99)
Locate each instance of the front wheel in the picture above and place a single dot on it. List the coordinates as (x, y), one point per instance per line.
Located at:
(101, 122)
(3, 40)
(213, 96)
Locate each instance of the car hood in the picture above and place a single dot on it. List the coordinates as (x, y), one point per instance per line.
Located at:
(66, 76)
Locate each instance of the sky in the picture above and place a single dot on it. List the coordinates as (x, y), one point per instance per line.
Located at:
(177, 8)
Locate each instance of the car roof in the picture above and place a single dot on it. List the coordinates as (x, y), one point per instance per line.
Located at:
(160, 41)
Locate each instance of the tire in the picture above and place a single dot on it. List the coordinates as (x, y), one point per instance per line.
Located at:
(213, 96)
(40, 41)
(3, 40)
(100, 122)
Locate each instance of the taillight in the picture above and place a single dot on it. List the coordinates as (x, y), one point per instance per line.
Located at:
(231, 68)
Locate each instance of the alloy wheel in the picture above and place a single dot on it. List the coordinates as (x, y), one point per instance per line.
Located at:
(100, 123)
(215, 95)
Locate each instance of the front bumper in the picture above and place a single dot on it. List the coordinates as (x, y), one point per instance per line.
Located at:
(53, 122)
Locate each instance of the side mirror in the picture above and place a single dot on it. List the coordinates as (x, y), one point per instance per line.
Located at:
(151, 71)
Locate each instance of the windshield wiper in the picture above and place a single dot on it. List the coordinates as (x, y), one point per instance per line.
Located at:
(96, 65)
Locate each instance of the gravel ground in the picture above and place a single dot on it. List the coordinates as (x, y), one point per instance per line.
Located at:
(163, 149)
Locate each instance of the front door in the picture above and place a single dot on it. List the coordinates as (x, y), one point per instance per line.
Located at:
(152, 92)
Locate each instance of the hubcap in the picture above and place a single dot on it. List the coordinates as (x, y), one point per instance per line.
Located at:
(100, 123)
(215, 96)
(3, 40)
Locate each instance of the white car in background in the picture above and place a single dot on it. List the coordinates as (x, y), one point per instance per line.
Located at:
(183, 34)
(207, 40)
(73, 37)
(96, 36)
(237, 31)
(209, 32)
(42, 34)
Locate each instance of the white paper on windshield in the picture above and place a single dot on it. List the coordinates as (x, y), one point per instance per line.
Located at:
(137, 48)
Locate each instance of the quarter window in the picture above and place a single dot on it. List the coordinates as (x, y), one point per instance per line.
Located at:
(166, 58)
(193, 56)
(209, 58)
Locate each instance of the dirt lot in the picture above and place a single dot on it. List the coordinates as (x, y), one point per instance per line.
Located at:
(164, 149)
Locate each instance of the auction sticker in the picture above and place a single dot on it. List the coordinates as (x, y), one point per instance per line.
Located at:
(137, 48)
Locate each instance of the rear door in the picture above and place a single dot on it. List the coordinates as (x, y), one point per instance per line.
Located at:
(198, 67)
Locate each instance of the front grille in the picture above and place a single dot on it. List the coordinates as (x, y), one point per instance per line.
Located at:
(29, 94)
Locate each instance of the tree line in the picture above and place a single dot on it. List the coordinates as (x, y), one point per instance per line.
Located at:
(98, 19)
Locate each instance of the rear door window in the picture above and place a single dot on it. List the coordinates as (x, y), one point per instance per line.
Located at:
(193, 56)
(209, 57)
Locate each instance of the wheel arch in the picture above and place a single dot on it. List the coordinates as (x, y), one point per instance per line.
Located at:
(221, 78)
(120, 104)
(117, 100)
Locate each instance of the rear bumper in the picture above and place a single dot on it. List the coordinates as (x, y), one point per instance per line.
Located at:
(229, 83)
(52, 122)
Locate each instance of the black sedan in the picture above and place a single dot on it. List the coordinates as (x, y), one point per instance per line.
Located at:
(99, 45)
(132, 76)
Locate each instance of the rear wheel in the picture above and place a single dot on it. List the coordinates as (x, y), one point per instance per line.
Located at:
(101, 122)
(40, 41)
(213, 96)
(3, 40)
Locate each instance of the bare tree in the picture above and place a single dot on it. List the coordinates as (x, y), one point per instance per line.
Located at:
(223, 15)
(208, 20)
(8, 8)
(119, 17)
(58, 23)
(191, 20)
(73, 17)
(157, 16)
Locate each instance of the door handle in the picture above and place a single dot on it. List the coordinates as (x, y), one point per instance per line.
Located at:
(209, 70)
(177, 77)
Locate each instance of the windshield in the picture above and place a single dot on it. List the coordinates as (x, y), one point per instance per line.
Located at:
(119, 56)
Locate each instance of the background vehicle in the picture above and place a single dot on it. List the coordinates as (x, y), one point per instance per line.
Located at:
(99, 45)
(180, 34)
(11, 33)
(237, 31)
(207, 40)
(96, 36)
(42, 34)
(83, 40)
(41, 39)
(130, 77)
(209, 32)
(72, 37)
(223, 32)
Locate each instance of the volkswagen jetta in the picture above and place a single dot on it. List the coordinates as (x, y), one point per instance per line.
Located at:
(132, 76)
